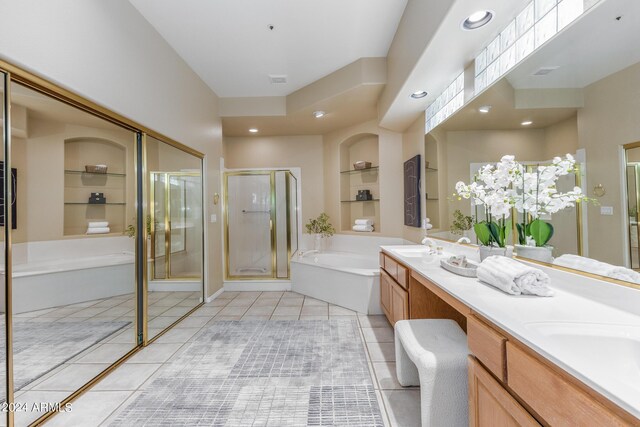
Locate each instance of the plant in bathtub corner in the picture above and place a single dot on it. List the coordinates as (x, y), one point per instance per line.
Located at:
(461, 223)
(321, 227)
(131, 228)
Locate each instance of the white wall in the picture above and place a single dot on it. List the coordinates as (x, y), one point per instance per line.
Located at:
(107, 52)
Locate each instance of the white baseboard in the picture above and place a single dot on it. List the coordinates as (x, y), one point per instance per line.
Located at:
(258, 285)
(214, 296)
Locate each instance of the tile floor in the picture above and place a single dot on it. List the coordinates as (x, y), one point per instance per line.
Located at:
(102, 404)
(164, 309)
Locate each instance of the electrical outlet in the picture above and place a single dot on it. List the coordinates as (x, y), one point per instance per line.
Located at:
(606, 210)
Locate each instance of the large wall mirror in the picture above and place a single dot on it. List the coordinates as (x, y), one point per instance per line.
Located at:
(578, 95)
(175, 229)
(75, 180)
(73, 268)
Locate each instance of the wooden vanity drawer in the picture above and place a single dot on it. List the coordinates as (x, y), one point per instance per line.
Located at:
(391, 266)
(488, 346)
(402, 276)
(382, 259)
(551, 396)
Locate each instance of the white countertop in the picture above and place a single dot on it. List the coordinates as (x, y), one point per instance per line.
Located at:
(596, 342)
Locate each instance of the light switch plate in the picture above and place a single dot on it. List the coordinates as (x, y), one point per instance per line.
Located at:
(606, 210)
(214, 218)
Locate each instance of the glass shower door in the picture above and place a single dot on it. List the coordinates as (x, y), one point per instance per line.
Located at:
(633, 196)
(185, 219)
(250, 224)
(159, 227)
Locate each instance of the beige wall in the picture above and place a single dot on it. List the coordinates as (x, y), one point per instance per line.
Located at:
(609, 120)
(561, 138)
(304, 152)
(390, 175)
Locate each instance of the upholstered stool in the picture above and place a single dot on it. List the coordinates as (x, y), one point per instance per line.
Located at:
(432, 353)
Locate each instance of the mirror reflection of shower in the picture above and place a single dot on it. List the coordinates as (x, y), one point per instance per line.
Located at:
(176, 225)
(632, 175)
(261, 223)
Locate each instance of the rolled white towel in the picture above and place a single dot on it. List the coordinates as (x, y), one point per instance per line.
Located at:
(513, 277)
(98, 230)
(363, 228)
(594, 266)
(98, 224)
(363, 221)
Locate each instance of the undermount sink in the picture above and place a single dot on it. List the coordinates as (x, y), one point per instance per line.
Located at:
(413, 251)
(608, 350)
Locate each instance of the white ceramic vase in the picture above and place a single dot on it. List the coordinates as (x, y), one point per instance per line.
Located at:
(318, 243)
(542, 253)
(487, 251)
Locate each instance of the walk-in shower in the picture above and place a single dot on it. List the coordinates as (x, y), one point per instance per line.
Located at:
(261, 225)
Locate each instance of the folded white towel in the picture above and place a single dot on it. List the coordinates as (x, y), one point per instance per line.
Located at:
(98, 224)
(363, 228)
(594, 266)
(98, 230)
(513, 277)
(363, 221)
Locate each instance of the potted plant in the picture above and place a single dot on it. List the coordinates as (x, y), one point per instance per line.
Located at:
(508, 185)
(462, 224)
(492, 189)
(539, 197)
(322, 228)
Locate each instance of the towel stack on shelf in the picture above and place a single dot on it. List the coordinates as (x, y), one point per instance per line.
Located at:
(363, 225)
(98, 227)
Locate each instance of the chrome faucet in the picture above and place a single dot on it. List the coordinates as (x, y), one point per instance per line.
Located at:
(430, 244)
(305, 253)
(464, 240)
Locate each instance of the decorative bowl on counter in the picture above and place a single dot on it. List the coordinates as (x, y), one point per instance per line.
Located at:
(469, 269)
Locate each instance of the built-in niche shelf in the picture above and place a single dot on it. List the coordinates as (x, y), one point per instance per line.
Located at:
(373, 169)
(431, 170)
(361, 147)
(359, 201)
(79, 184)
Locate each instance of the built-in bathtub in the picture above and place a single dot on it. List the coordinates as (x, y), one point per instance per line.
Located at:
(61, 272)
(345, 279)
(347, 274)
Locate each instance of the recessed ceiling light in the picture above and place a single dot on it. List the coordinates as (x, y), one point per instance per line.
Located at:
(318, 114)
(253, 130)
(419, 94)
(485, 109)
(526, 123)
(477, 19)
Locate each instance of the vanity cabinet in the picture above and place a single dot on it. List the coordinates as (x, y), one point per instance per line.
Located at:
(394, 285)
(510, 384)
(490, 404)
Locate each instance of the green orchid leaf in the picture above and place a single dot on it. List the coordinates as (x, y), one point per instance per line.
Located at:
(496, 234)
(541, 232)
(522, 236)
(483, 233)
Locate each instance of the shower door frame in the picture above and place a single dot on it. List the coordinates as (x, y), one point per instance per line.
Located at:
(167, 223)
(272, 219)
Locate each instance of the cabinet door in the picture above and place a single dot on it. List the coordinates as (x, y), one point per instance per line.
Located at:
(490, 405)
(385, 294)
(399, 303)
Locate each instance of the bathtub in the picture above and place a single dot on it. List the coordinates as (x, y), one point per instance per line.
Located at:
(346, 279)
(60, 272)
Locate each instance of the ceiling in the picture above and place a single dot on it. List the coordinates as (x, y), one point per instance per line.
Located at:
(228, 43)
(593, 54)
(503, 115)
(356, 105)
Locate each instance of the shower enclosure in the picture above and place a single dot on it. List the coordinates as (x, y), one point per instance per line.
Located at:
(261, 224)
(176, 225)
